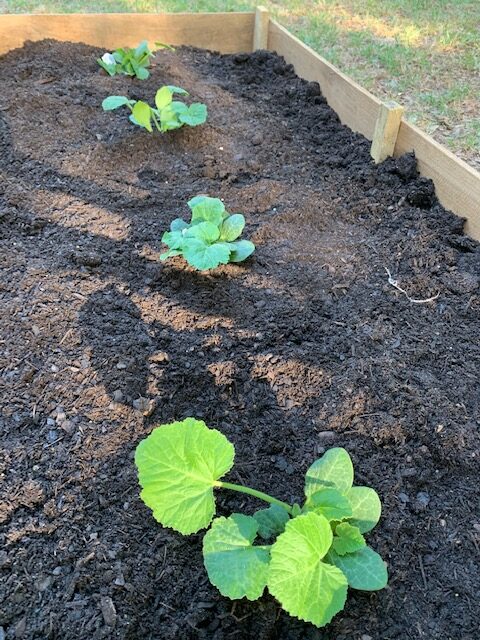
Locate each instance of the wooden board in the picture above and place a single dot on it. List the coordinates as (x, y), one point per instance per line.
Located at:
(225, 32)
(456, 183)
(386, 131)
(355, 106)
(260, 31)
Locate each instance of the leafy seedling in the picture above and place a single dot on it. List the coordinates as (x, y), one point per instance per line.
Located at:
(167, 114)
(211, 236)
(307, 556)
(130, 62)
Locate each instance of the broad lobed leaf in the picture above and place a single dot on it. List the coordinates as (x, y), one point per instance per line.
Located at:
(347, 539)
(232, 227)
(206, 231)
(366, 507)
(178, 465)
(114, 102)
(330, 503)
(234, 565)
(334, 467)
(142, 114)
(205, 256)
(305, 585)
(195, 115)
(271, 521)
(163, 98)
(207, 209)
(364, 569)
(240, 250)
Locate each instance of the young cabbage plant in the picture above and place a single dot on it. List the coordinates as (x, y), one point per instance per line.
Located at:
(130, 62)
(305, 555)
(211, 236)
(167, 114)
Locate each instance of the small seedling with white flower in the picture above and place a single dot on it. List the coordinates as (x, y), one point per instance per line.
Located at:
(128, 61)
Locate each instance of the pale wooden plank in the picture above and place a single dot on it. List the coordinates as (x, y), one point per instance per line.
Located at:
(356, 107)
(456, 183)
(386, 131)
(260, 32)
(224, 32)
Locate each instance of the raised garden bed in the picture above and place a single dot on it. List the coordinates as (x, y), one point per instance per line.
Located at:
(305, 346)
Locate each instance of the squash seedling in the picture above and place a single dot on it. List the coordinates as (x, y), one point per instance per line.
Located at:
(169, 113)
(130, 62)
(307, 556)
(210, 238)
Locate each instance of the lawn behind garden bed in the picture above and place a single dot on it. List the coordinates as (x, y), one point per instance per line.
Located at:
(303, 347)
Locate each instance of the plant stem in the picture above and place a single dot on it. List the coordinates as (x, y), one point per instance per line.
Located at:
(254, 493)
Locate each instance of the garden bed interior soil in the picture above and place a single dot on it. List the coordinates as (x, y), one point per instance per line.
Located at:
(305, 346)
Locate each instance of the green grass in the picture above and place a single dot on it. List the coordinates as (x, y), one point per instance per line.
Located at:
(423, 53)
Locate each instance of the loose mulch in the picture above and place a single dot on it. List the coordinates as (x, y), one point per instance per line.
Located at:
(304, 346)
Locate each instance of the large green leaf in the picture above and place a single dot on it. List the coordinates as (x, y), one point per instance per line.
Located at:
(330, 503)
(232, 227)
(193, 202)
(206, 231)
(141, 49)
(364, 568)
(114, 102)
(178, 225)
(163, 98)
(142, 73)
(305, 586)
(169, 119)
(143, 115)
(205, 256)
(180, 108)
(366, 507)
(196, 114)
(169, 254)
(207, 209)
(109, 67)
(172, 87)
(335, 466)
(241, 249)
(236, 567)
(173, 239)
(178, 465)
(347, 539)
(271, 521)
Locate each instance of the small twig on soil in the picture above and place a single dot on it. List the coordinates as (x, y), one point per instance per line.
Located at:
(422, 571)
(65, 336)
(395, 284)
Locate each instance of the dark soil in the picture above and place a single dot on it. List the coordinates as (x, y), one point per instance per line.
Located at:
(305, 346)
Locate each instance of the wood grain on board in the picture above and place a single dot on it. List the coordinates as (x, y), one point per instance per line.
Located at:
(224, 32)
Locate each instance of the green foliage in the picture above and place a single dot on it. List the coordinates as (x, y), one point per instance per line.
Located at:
(314, 553)
(178, 465)
(305, 585)
(210, 238)
(271, 521)
(167, 114)
(234, 565)
(129, 62)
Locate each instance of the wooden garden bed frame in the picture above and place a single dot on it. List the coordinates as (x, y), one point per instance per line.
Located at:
(457, 184)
